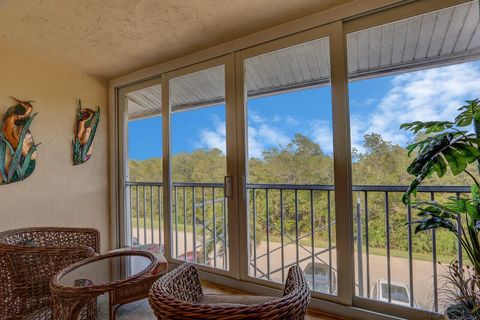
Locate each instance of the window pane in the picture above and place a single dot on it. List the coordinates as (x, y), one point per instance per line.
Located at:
(419, 69)
(198, 144)
(290, 165)
(144, 174)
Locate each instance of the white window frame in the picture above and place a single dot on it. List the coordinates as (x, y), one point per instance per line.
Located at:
(335, 23)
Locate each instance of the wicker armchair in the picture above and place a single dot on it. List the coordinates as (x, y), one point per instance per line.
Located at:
(178, 295)
(29, 258)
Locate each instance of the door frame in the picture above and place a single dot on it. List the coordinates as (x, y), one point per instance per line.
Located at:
(123, 224)
(232, 209)
(358, 15)
(342, 156)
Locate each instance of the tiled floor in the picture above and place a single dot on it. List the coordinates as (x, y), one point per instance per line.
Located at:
(141, 310)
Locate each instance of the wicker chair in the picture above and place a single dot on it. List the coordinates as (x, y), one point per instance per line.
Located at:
(178, 295)
(29, 258)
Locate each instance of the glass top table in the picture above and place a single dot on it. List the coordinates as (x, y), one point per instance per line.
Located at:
(78, 285)
(106, 270)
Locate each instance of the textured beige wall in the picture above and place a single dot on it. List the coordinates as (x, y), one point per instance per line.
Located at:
(57, 193)
(113, 37)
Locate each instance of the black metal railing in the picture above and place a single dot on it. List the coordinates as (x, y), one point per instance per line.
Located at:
(287, 217)
(200, 210)
(144, 205)
(295, 225)
(391, 196)
(199, 220)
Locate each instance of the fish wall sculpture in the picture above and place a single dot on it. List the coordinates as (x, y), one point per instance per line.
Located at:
(85, 129)
(18, 151)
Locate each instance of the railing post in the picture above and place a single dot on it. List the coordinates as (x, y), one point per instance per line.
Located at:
(359, 248)
(128, 215)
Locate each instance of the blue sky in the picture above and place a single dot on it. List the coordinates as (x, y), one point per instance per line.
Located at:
(377, 105)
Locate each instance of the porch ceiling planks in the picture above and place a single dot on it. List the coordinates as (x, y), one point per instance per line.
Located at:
(434, 37)
(144, 103)
(439, 37)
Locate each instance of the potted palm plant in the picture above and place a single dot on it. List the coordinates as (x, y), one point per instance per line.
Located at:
(453, 145)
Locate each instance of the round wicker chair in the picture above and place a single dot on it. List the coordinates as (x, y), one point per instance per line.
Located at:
(179, 295)
(29, 258)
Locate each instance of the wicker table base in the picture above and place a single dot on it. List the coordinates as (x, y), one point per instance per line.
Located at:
(122, 296)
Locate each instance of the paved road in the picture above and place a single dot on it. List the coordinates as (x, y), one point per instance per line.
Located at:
(422, 275)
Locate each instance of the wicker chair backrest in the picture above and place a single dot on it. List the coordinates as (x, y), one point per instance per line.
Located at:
(177, 294)
(30, 257)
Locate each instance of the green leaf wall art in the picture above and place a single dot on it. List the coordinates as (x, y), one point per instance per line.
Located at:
(18, 152)
(85, 129)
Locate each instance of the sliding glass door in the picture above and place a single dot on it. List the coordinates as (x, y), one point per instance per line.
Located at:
(142, 195)
(199, 167)
(289, 185)
(202, 198)
(422, 68)
(289, 153)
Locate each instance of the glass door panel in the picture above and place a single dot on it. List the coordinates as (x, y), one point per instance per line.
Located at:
(199, 168)
(143, 183)
(291, 213)
(419, 69)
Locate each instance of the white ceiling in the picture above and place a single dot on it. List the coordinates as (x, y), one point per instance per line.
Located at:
(109, 38)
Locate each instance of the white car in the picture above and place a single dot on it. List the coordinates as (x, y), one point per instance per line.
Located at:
(318, 274)
(399, 292)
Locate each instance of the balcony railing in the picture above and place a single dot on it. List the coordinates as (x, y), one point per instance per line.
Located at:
(203, 242)
(294, 224)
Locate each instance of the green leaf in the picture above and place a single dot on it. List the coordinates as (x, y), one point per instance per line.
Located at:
(434, 223)
(440, 167)
(469, 152)
(455, 160)
(86, 147)
(466, 206)
(27, 160)
(412, 189)
(2, 160)
(77, 153)
(429, 127)
(475, 192)
(10, 148)
(437, 210)
(431, 148)
(469, 112)
(14, 164)
(437, 153)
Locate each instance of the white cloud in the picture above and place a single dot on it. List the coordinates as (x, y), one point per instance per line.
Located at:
(272, 136)
(291, 121)
(357, 131)
(261, 134)
(264, 136)
(276, 118)
(370, 101)
(214, 138)
(259, 138)
(255, 117)
(427, 95)
(321, 132)
(255, 147)
(433, 94)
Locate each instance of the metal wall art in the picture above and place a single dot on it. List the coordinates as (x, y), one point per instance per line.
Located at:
(85, 128)
(18, 152)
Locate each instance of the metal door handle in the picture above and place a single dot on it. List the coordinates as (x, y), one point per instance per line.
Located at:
(227, 181)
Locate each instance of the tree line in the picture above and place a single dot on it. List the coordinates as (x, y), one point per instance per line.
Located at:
(303, 162)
